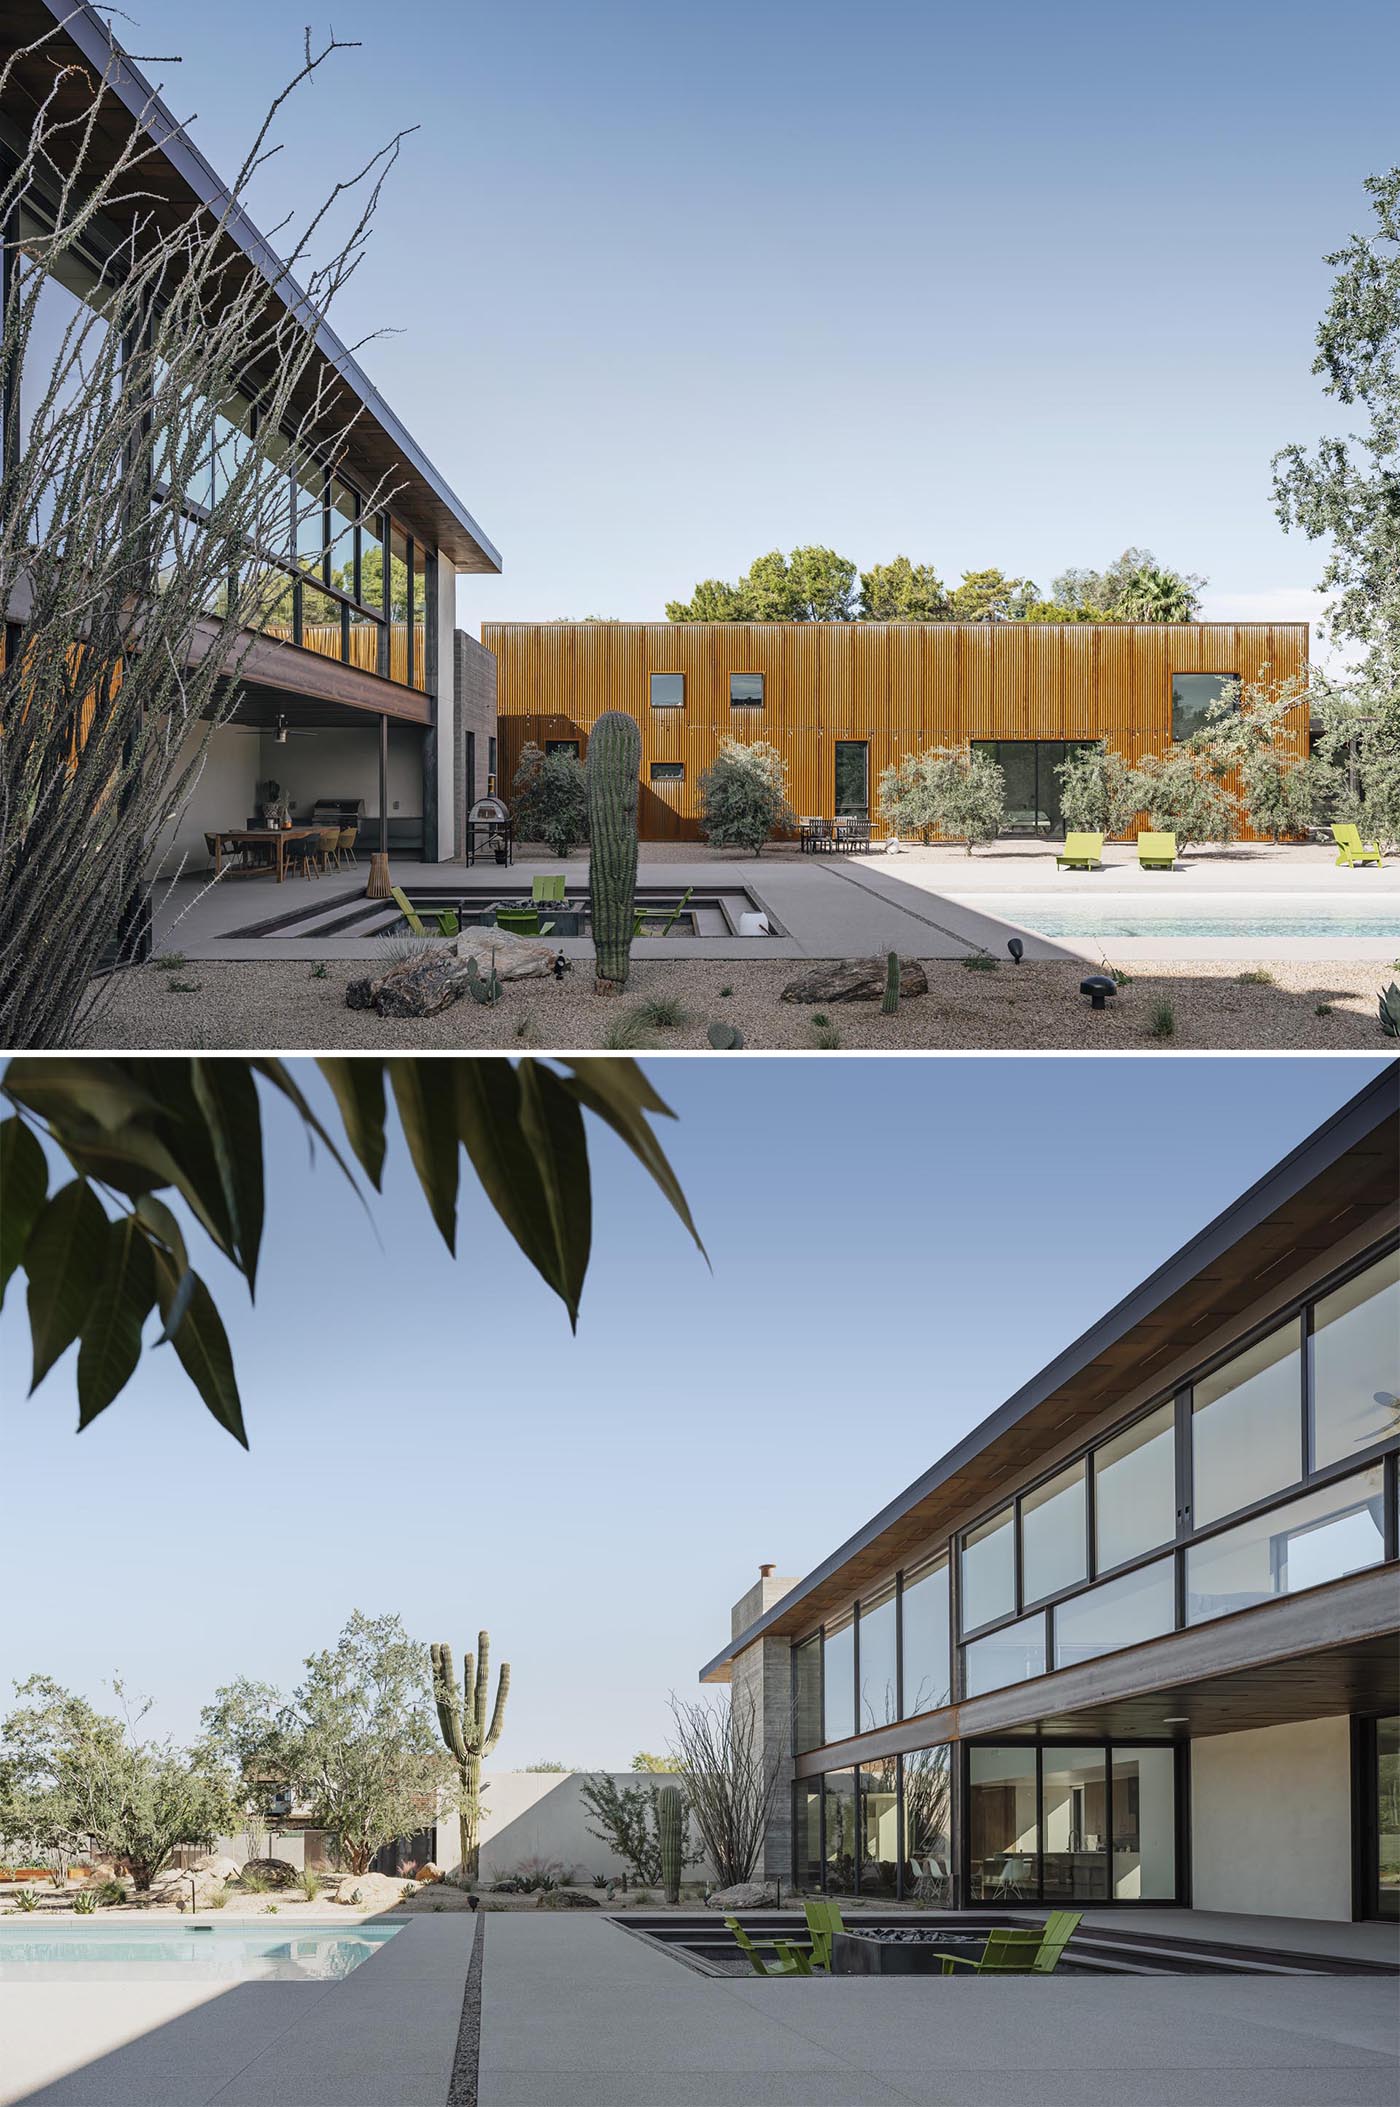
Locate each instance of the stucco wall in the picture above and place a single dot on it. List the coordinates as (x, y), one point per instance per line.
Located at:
(1271, 1820)
(539, 1814)
(222, 796)
(475, 671)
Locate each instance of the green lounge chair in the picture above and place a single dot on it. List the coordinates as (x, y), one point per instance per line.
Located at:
(1081, 852)
(823, 1919)
(407, 910)
(642, 915)
(522, 921)
(1019, 1952)
(791, 1959)
(1352, 850)
(548, 892)
(1157, 852)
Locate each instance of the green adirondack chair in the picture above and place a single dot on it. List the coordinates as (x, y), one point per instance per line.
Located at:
(1352, 850)
(823, 1919)
(1081, 852)
(1157, 852)
(548, 891)
(642, 915)
(791, 1959)
(1019, 1952)
(407, 910)
(522, 921)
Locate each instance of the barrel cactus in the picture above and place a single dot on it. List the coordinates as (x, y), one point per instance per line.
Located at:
(670, 1835)
(890, 1003)
(614, 770)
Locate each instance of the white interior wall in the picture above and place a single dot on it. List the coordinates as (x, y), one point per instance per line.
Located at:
(1271, 1820)
(222, 796)
(345, 763)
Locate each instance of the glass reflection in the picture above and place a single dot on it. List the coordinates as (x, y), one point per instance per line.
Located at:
(1246, 1426)
(1003, 1825)
(988, 1570)
(1144, 1825)
(1054, 1541)
(807, 1693)
(1012, 1655)
(928, 1825)
(1135, 1489)
(1324, 1536)
(838, 1681)
(807, 1834)
(1074, 1862)
(1356, 1363)
(1123, 1612)
(879, 1826)
(924, 1615)
(839, 1800)
(879, 1661)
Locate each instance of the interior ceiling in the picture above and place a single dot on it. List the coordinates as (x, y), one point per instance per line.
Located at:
(1354, 1192)
(373, 457)
(259, 709)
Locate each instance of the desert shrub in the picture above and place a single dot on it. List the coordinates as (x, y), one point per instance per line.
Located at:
(1098, 792)
(1163, 1025)
(826, 1038)
(310, 1883)
(1181, 796)
(253, 1880)
(111, 1893)
(666, 1012)
(743, 796)
(85, 1904)
(550, 799)
(627, 1030)
(948, 790)
(25, 1900)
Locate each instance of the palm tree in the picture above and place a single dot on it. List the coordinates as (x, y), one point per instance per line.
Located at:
(1154, 595)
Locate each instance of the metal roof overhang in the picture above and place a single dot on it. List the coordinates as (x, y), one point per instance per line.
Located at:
(1334, 1183)
(180, 177)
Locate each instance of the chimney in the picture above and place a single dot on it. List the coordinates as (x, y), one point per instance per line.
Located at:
(766, 1572)
(770, 1587)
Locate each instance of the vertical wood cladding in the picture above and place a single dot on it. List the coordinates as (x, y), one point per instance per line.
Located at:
(899, 686)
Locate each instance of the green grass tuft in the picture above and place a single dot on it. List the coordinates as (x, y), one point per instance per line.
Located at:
(1163, 1025)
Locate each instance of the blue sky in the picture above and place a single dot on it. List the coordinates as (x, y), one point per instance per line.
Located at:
(1011, 285)
(892, 1257)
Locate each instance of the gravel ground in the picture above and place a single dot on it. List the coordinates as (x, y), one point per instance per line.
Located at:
(276, 1004)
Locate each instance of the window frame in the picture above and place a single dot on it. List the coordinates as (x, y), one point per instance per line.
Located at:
(748, 702)
(1177, 673)
(665, 673)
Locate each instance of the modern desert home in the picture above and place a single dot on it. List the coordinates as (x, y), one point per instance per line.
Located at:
(1136, 1638)
(843, 700)
(365, 682)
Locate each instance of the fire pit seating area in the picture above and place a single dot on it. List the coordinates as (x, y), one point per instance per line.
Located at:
(922, 1950)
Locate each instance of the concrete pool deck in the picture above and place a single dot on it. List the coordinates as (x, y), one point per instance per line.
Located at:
(929, 903)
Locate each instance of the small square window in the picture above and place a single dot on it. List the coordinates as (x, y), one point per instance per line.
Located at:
(668, 771)
(1192, 695)
(668, 691)
(746, 691)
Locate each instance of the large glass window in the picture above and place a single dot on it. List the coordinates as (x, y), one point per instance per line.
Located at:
(928, 1821)
(1247, 1427)
(1336, 1530)
(398, 605)
(879, 1826)
(320, 622)
(345, 508)
(988, 1570)
(923, 1610)
(1356, 1363)
(1135, 1489)
(667, 691)
(1054, 1544)
(1074, 1824)
(1386, 1818)
(807, 1693)
(1138, 1605)
(852, 779)
(879, 1663)
(842, 1830)
(422, 615)
(1144, 1825)
(64, 334)
(311, 518)
(838, 1681)
(807, 1833)
(1192, 696)
(1012, 1655)
(1003, 1825)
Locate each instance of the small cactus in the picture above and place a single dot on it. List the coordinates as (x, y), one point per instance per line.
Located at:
(670, 1835)
(725, 1038)
(614, 771)
(484, 988)
(1388, 1009)
(890, 1002)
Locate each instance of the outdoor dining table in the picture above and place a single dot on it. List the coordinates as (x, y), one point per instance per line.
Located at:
(274, 838)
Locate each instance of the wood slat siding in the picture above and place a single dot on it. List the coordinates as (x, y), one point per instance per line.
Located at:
(900, 686)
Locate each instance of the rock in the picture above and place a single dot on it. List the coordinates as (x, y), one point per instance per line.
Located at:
(420, 987)
(854, 980)
(566, 1898)
(429, 1872)
(371, 1890)
(277, 1872)
(217, 1867)
(195, 1889)
(749, 1894)
(517, 957)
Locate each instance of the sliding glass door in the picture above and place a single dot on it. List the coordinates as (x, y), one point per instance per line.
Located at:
(1032, 785)
(1072, 1824)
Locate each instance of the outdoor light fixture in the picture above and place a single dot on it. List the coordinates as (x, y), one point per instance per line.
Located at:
(281, 731)
(1015, 947)
(1098, 987)
(561, 966)
(1178, 1719)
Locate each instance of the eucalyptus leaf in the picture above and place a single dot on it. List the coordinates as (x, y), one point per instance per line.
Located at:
(111, 1336)
(64, 1258)
(24, 1184)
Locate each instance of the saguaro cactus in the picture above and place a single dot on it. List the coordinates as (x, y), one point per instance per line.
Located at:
(891, 997)
(462, 1718)
(670, 1835)
(614, 768)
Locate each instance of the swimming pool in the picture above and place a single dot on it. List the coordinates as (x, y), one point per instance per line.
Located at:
(74, 1952)
(1121, 916)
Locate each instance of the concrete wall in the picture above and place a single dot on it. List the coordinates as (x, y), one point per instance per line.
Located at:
(1271, 1820)
(475, 671)
(540, 1815)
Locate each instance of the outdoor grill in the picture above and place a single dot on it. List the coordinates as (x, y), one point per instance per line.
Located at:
(338, 812)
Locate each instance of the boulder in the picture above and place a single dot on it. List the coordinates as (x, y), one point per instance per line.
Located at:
(216, 1866)
(566, 1898)
(517, 957)
(749, 1894)
(195, 1889)
(429, 1872)
(277, 1872)
(371, 1890)
(853, 980)
(421, 986)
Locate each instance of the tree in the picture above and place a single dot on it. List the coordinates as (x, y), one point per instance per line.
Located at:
(988, 596)
(743, 796)
(550, 799)
(644, 1760)
(563, 1770)
(1345, 489)
(902, 591)
(811, 585)
(712, 601)
(355, 1744)
(139, 612)
(1098, 791)
(1253, 730)
(1155, 595)
(1134, 588)
(70, 1776)
(1356, 754)
(949, 790)
(624, 1817)
(730, 1779)
(1182, 795)
(104, 1249)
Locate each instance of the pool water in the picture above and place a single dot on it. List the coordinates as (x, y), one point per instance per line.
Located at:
(1128, 918)
(78, 1952)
